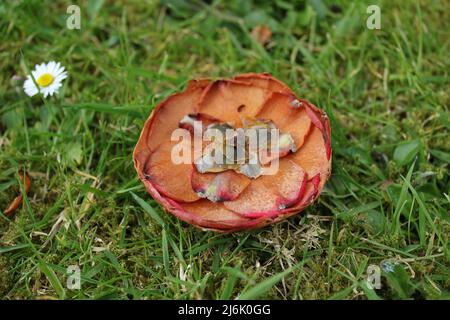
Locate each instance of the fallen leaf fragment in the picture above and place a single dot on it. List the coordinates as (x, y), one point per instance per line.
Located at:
(14, 205)
(262, 34)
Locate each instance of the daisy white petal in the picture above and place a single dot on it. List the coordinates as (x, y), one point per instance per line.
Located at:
(60, 71)
(41, 68)
(45, 92)
(57, 66)
(36, 74)
(52, 67)
(29, 87)
(61, 76)
(53, 88)
(37, 68)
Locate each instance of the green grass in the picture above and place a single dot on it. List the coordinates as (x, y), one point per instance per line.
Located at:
(386, 204)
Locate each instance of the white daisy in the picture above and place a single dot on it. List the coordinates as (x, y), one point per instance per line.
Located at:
(48, 78)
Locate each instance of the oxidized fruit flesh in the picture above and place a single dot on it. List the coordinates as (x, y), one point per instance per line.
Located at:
(234, 154)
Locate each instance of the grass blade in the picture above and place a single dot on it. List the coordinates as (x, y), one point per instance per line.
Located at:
(52, 278)
(147, 208)
(165, 249)
(265, 285)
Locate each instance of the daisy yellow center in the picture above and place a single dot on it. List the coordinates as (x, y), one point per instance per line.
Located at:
(45, 80)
